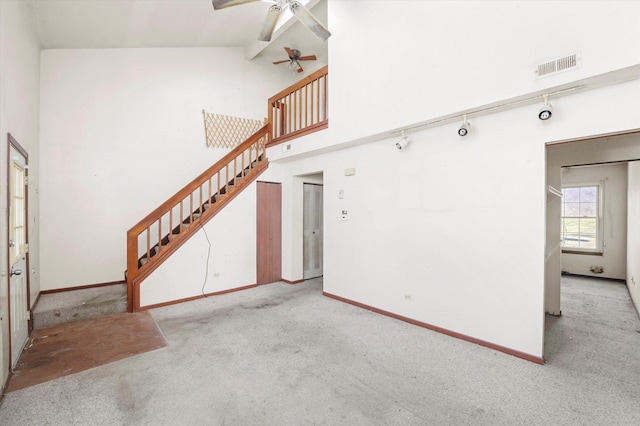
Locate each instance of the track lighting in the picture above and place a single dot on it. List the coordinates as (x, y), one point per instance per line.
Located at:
(547, 110)
(402, 142)
(464, 129)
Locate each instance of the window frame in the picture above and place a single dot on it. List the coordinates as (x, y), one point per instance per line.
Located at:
(18, 225)
(599, 249)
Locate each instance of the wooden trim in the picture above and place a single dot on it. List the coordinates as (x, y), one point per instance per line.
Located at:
(202, 178)
(200, 296)
(35, 303)
(81, 287)
(292, 282)
(299, 133)
(508, 351)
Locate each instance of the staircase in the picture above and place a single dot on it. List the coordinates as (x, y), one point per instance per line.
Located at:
(76, 305)
(152, 240)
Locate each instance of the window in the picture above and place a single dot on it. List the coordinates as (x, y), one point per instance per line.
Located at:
(581, 218)
(18, 224)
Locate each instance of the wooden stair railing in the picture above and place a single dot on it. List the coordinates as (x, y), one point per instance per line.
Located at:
(300, 109)
(152, 240)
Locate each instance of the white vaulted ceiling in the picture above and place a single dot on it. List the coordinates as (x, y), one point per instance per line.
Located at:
(96, 24)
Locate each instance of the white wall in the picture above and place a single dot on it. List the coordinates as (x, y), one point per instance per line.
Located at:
(451, 231)
(122, 131)
(19, 110)
(433, 58)
(229, 263)
(633, 227)
(614, 253)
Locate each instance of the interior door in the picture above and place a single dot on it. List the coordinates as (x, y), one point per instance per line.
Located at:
(18, 248)
(269, 233)
(312, 231)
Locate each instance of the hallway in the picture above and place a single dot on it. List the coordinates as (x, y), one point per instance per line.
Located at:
(283, 354)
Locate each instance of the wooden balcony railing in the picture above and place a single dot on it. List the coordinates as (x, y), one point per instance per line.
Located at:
(164, 230)
(300, 109)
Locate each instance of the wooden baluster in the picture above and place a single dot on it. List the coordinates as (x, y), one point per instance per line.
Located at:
(218, 193)
(171, 224)
(200, 203)
(306, 104)
(190, 207)
(160, 233)
(148, 243)
(243, 163)
(235, 170)
(317, 105)
(324, 106)
(181, 215)
(210, 183)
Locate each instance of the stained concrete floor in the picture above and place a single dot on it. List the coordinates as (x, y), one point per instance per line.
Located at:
(286, 355)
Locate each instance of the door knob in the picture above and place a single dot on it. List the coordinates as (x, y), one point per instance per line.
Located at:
(15, 272)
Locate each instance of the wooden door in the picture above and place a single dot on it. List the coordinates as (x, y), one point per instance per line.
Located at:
(269, 233)
(312, 231)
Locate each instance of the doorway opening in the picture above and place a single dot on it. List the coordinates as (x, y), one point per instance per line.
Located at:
(593, 227)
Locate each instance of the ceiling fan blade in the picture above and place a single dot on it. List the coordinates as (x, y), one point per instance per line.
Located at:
(270, 23)
(289, 52)
(300, 68)
(281, 62)
(308, 58)
(309, 20)
(221, 4)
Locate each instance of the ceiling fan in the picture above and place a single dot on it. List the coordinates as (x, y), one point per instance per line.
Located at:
(300, 12)
(295, 58)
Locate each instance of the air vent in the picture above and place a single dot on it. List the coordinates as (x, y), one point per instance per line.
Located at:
(557, 66)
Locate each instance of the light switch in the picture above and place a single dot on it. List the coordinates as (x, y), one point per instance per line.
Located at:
(341, 194)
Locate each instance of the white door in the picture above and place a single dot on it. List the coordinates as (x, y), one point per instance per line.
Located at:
(18, 286)
(312, 231)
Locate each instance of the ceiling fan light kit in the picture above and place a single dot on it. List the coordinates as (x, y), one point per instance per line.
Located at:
(298, 10)
(294, 59)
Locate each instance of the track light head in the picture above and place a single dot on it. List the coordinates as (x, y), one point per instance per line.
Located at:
(402, 142)
(546, 111)
(464, 128)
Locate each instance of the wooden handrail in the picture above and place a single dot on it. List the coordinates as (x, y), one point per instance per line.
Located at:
(300, 108)
(198, 181)
(211, 190)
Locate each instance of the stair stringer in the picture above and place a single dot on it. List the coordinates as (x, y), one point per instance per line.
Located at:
(186, 235)
(195, 270)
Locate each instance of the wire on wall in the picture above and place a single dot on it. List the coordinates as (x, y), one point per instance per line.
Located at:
(206, 271)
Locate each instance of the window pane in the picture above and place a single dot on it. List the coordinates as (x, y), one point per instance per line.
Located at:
(570, 225)
(588, 226)
(588, 194)
(571, 195)
(588, 209)
(572, 209)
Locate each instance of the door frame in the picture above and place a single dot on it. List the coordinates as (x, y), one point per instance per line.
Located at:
(12, 142)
